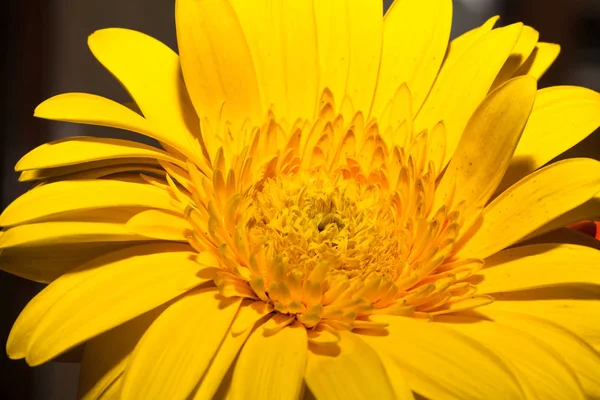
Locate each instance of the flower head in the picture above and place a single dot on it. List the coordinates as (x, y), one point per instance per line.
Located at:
(343, 206)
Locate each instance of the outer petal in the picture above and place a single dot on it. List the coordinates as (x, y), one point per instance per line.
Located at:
(476, 69)
(333, 35)
(100, 285)
(575, 308)
(577, 354)
(271, 366)
(523, 48)
(250, 316)
(486, 146)
(86, 108)
(537, 266)
(151, 73)
(349, 370)
(540, 370)
(46, 263)
(216, 62)
(105, 356)
(540, 60)
(366, 26)
(176, 350)
(417, 345)
(458, 46)
(415, 37)
(562, 116)
(531, 203)
(64, 197)
(77, 150)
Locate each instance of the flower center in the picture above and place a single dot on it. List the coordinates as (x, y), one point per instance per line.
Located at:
(350, 228)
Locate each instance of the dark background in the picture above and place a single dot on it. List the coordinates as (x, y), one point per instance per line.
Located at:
(45, 53)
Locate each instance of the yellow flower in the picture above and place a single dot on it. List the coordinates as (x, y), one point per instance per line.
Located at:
(343, 206)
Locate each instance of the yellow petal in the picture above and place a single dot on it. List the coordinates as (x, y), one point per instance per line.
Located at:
(69, 196)
(537, 266)
(60, 232)
(578, 315)
(562, 116)
(566, 236)
(173, 354)
(465, 369)
(590, 210)
(333, 27)
(539, 369)
(458, 46)
(108, 280)
(90, 109)
(350, 369)
(162, 225)
(577, 354)
(486, 146)
(82, 149)
(216, 62)
(533, 202)
(151, 73)
(462, 85)
(542, 57)
(105, 356)
(365, 32)
(228, 351)
(271, 366)
(93, 170)
(395, 374)
(523, 49)
(46, 263)
(415, 38)
(113, 391)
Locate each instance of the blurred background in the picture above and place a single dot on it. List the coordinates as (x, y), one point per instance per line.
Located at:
(45, 53)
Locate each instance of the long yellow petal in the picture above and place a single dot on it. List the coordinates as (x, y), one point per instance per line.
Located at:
(521, 52)
(216, 62)
(465, 369)
(162, 225)
(577, 354)
(105, 356)
(562, 116)
(395, 374)
(173, 354)
(458, 46)
(46, 263)
(21, 333)
(151, 73)
(486, 146)
(462, 85)
(566, 236)
(539, 369)
(60, 232)
(541, 58)
(533, 202)
(365, 31)
(82, 149)
(83, 108)
(575, 308)
(537, 266)
(349, 370)
(333, 35)
(136, 270)
(70, 196)
(271, 366)
(590, 210)
(415, 38)
(93, 170)
(228, 351)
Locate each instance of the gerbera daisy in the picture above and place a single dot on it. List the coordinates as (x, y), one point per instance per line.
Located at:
(343, 205)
